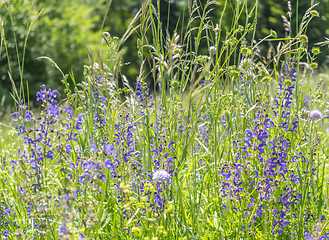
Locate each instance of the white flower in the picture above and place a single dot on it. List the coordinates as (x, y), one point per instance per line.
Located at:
(247, 66)
(304, 114)
(161, 175)
(315, 115)
(212, 50)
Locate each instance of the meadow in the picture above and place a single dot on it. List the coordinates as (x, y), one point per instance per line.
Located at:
(227, 144)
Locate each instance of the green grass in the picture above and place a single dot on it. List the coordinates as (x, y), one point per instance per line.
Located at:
(240, 156)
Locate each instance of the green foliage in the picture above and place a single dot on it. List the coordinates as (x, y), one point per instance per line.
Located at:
(64, 28)
(61, 32)
(281, 17)
(228, 147)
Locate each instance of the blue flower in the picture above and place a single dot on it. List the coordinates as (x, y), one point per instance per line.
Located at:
(53, 110)
(16, 116)
(308, 236)
(42, 95)
(62, 230)
(50, 154)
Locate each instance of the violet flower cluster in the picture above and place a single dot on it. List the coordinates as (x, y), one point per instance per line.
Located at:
(264, 169)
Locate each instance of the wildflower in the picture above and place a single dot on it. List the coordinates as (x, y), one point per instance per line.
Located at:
(304, 114)
(28, 115)
(68, 148)
(52, 96)
(246, 63)
(22, 106)
(62, 230)
(161, 175)
(52, 110)
(93, 148)
(170, 145)
(16, 116)
(50, 154)
(14, 163)
(307, 100)
(6, 233)
(80, 121)
(42, 95)
(212, 50)
(315, 115)
(81, 236)
(308, 236)
(67, 110)
(110, 150)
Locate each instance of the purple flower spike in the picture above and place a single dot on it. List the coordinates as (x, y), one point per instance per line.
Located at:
(42, 95)
(16, 116)
(170, 145)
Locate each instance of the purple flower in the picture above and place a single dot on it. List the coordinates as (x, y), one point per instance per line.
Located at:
(80, 121)
(6, 233)
(307, 100)
(103, 99)
(42, 95)
(28, 115)
(68, 112)
(308, 236)
(93, 148)
(109, 149)
(52, 96)
(7, 212)
(50, 154)
(14, 163)
(81, 236)
(315, 115)
(68, 148)
(16, 116)
(62, 231)
(170, 145)
(53, 111)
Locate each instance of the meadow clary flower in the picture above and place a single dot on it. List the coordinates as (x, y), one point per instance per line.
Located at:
(315, 115)
(161, 175)
(42, 95)
(307, 100)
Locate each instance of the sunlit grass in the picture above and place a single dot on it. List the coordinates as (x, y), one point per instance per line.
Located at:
(226, 146)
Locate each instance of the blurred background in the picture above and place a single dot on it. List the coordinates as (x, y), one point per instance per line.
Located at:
(64, 28)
